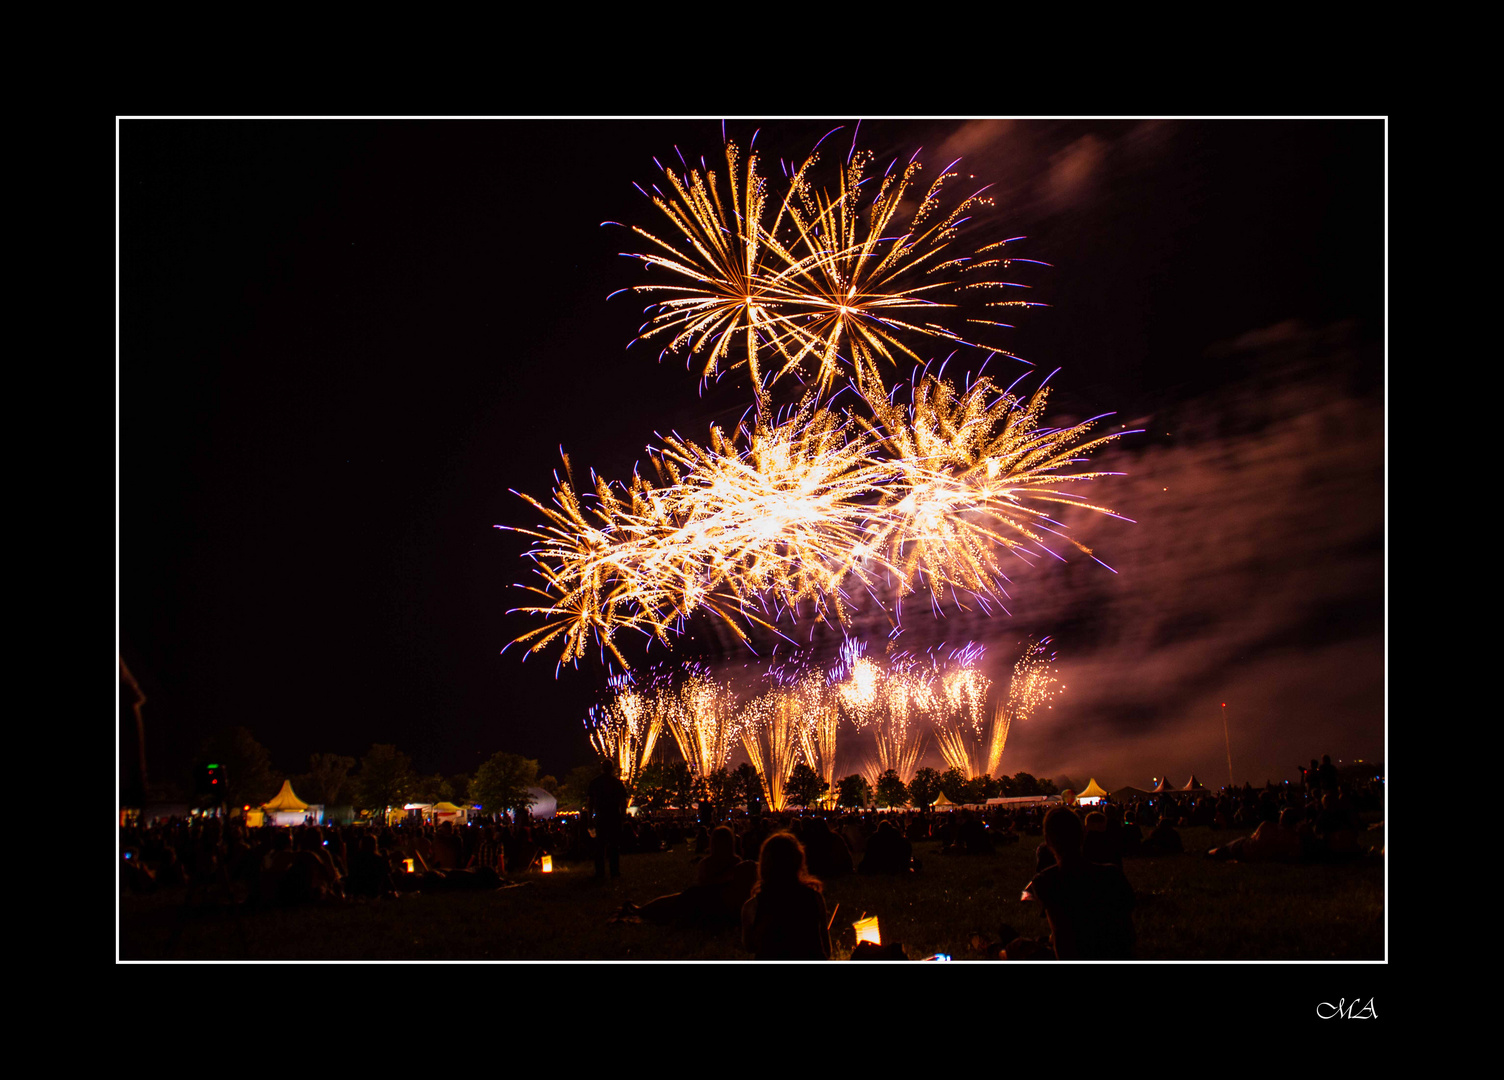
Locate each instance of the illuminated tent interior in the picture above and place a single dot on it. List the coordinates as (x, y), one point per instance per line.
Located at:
(447, 811)
(1092, 793)
(285, 808)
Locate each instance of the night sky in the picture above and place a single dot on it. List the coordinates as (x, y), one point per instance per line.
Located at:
(342, 343)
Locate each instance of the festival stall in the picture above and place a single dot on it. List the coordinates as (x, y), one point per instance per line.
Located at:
(285, 808)
(1023, 800)
(441, 812)
(1092, 794)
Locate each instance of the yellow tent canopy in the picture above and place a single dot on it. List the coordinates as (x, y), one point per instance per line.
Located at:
(285, 799)
(1093, 791)
(446, 808)
(942, 801)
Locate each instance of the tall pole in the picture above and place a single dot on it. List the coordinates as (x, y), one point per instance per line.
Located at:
(1228, 740)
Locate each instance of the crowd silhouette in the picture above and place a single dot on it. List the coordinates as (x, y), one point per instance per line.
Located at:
(764, 872)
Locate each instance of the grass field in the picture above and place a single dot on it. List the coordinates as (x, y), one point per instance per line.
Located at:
(1189, 908)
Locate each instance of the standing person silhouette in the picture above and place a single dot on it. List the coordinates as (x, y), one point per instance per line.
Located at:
(608, 804)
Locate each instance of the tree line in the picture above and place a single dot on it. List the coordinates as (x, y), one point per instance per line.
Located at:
(384, 776)
(665, 784)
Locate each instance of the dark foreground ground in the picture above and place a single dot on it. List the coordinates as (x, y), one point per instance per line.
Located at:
(1189, 908)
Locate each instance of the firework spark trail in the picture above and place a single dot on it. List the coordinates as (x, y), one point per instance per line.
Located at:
(627, 728)
(891, 701)
(818, 715)
(770, 732)
(830, 277)
(958, 718)
(820, 724)
(724, 529)
(817, 508)
(977, 474)
(910, 699)
(707, 723)
(820, 509)
(1032, 685)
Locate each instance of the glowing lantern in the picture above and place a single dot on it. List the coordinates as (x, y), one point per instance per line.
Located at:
(548, 864)
(409, 864)
(866, 930)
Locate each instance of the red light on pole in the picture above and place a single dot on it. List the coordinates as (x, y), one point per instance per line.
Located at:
(1228, 740)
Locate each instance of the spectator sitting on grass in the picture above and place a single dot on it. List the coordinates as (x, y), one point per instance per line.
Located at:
(1164, 840)
(826, 852)
(1089, 905)
(370, 874)
(490, 854)
(887, 852)
(973, 835)
(1097, 846)
(1269, 843)
(723, 882)
(522, 849)
(785, 918)
(447, 852)
(1334, 831)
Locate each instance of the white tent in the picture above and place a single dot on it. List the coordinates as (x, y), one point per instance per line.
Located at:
(544, 804)
(285, 808)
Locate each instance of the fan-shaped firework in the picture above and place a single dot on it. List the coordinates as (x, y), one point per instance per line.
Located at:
(770, 734)
(960, 714)
(820, 722)
(811, 509)
(891, 701)
(707, 723)
(830, 277)
(724, 528)
(977, 474)
(1032, 685)
(626, 729)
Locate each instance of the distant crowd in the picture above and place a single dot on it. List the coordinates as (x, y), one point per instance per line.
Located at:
(763, 871)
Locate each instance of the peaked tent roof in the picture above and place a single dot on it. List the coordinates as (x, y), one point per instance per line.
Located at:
(1193, 784)
(1163, 786)
(942, 801)
(285, 799)
(1093, 791)
(446, 807)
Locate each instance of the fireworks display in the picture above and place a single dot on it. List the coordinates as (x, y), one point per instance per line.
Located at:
(817, 508)
(770, 733)
(820, 722)
(810, 512)
(1032, 685)
(830, 279)
(891, 702)
(707, 723)
(627, 728)
(961, 730)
